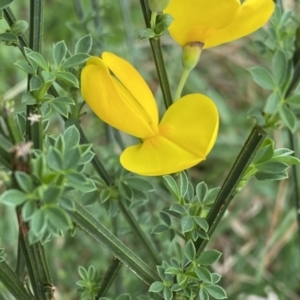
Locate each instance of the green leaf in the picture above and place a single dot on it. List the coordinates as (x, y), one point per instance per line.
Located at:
(52, 194)
(209, 257)
(288, 160)
(262, 77)
(202, 223)
(294, 101)
(165, 218)
(162, 23)
(54, 159)
(28, 210)
(279, 67)
(35, 83)
(59, 52)
(215, 277)
(183, 184)
(178, 208)
(125, 190)
(203, 295)
(262, 176)
(271, 167)
(146, 33)
(67, 78)
(38, 222)
(71, 137)
(38, 59)
(75, 60)
(5, 3)
(265, 152)
(12, 197)
(190, 251)
(64, 100)
(216, 291)
(272, 103)
(211, 196)
(172, 271)
(84, 45)
(288, 117)
(156, 287)
(24, 181)
(23, 65)
(203, 274)
(105, 194)
(171, 185)
(168, 295)
(8, 37)
(71, 158)
(58, 218)
(201, 191)
(47, 77)
(159, 229)
(139, 184)
(60, 108)
(187, 224)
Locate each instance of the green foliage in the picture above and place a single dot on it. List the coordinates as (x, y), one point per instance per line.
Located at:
(44, 181)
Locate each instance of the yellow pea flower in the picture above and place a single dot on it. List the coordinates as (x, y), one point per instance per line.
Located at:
(120, 97)
(215, 22)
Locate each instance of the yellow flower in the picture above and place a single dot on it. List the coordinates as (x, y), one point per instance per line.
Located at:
(120, 97)
(215, 22)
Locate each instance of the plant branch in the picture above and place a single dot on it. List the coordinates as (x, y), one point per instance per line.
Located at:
(109, 277)
(102, 235)
(228, 190)
(158, 58)
(13, 283)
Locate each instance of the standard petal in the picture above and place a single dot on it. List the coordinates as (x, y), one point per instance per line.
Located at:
(101, 92)
(252, 15)
(192, 123)
(206, 15)
(134, 83)
(157, 156)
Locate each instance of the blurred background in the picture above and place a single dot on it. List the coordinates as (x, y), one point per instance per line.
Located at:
(258, 235)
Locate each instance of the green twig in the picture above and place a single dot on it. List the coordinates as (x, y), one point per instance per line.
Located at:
(127, 214)
(140, 234)
(10, 19)
(13, 283)
(228, 189)
(158, 58)
(109, 277)
(102, 235)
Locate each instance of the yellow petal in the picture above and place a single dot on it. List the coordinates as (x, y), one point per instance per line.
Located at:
(188, 131)
(157, 156)
(203, 14)
(252, 15)
(192, 123)
(105, 97)
(134, 83)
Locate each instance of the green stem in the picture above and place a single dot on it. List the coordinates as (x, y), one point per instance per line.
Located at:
(181, 84)
(228, 190)
(10, 19)
(109, 277)
(11, 281)
(158, 58)
(140, 234)
(96, 230)
(127, 214)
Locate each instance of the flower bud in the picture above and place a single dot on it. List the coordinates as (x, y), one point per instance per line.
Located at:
(158, 5)
(19, 27)
(191, 54)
